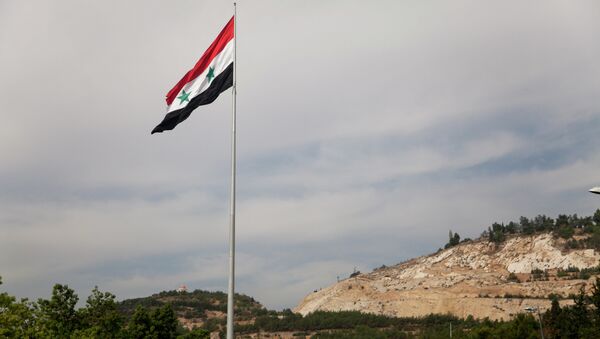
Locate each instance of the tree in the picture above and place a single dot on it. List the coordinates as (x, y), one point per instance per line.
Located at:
(160, 323)
(456, 239)
(16, 318)
(453, 239)
(526, 226)
(586, 223)
(496, 233)
(100, 316)
(512, 227)
(561, 220)
(140, 324)
(57, 315)
(525, 326)
(596, 217)
(595, 298)
(542, 223)
(164, 322)
(566, 232)
(551, 318)
(581, 317)
(196, 333)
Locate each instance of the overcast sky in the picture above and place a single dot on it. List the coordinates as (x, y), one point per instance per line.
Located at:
(366, 131)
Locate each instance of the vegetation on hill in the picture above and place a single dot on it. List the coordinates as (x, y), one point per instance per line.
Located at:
(57, 317)
(581, 320)
(564, 226)
(194, 305)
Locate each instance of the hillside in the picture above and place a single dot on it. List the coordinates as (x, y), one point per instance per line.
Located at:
(199, 308)
(479, 278)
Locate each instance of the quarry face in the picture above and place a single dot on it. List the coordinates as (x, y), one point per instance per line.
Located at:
(477, 278)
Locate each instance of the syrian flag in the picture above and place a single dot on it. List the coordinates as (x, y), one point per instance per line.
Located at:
(202, 84)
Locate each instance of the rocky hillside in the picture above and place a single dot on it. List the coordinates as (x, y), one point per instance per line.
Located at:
(478, 278)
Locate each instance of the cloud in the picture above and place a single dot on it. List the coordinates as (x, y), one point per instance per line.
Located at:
(364, 134)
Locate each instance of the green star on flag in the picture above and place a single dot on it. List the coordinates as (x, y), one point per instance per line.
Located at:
(211, 74)
(183, 97)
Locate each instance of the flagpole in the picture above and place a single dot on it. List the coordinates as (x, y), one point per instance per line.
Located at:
(230, 291)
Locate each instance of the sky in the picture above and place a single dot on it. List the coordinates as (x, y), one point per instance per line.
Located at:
(366, 131)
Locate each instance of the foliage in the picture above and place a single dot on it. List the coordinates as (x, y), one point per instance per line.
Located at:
(159, 323)
(194, 305)
(538, 274)
(354, 274)
(16, 318)
(57, 316)
(100, 318)
(565, 231)
(453, 240)
(322, 320)
(362, 332)
(564, 226)
(496, 233)
(196, 333)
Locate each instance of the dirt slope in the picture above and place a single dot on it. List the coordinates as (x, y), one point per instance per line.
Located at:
(469, 279)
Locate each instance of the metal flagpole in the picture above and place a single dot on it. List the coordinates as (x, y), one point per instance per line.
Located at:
(230, 290)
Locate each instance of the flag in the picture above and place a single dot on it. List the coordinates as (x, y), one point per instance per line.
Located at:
(201, 85)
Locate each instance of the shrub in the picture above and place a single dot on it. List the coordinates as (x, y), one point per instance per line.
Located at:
(584, 275)
(572, 269)
(538, 274)
(566, 232)
(513, 277)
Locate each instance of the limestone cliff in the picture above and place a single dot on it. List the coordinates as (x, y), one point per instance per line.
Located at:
(472, 278)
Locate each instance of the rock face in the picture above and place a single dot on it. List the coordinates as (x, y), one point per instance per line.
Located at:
(471, 278)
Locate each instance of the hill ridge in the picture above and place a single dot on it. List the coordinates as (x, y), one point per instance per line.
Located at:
(479, 277)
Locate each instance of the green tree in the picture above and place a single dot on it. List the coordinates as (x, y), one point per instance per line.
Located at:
(526, 226)
(140, 324)
(453, 239)
(596, 217)
(164, 322)
(512, 227)
(100, 316)
(57, 315)
(594, 240)
(496, 233)
(561, 220)
(595, 299)
(551, 318)
(581, 318)
(17, 319)
(196, 333)
(542, 223)
(524, 326)
(160, 323)
(566, 232)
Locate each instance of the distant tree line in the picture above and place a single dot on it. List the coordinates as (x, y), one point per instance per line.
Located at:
(580, 320)
(193, 305)
(58, 317)
(324, 320)
(564, 226)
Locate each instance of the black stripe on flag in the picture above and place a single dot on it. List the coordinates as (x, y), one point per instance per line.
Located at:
(219, 84)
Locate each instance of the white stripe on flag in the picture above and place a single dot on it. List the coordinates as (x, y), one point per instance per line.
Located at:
(200, 84)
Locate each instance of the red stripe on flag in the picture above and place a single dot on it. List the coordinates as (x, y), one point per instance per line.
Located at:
(215, 48)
